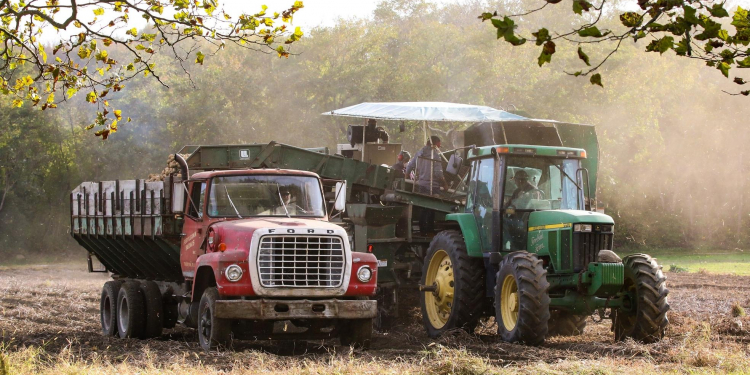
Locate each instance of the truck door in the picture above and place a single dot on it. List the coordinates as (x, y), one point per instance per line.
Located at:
(192, 229)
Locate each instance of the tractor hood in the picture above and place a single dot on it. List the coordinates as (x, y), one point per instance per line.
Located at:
(556, 217)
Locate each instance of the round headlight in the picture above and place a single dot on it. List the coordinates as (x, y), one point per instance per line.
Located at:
(233, 273)
(364, 274)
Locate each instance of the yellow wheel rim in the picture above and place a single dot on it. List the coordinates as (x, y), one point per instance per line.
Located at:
(440, 302)
(509, 302)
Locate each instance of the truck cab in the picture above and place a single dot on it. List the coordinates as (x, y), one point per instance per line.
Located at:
(262, 240)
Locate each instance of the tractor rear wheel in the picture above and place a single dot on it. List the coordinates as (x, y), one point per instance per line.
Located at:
(563, 323)
(521, 299)
(455, 298)
(212, 331)
(130, 310)
(153, 308)
(644, 315)
(108, 307)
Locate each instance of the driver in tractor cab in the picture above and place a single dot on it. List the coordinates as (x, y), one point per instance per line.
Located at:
(525, 190)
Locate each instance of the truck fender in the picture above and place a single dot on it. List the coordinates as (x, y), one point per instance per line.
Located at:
(204, 278)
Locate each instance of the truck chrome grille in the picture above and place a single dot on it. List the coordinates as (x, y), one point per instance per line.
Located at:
(301, 261)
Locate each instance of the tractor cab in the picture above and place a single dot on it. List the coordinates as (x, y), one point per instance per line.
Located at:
(514, 187)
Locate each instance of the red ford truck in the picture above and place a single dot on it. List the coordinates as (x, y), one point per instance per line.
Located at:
(246, 253)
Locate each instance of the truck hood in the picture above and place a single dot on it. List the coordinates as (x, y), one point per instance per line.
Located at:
(554, 217)
(251, 224)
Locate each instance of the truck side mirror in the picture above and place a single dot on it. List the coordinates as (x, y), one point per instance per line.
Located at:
(340, 202)
(178, 198)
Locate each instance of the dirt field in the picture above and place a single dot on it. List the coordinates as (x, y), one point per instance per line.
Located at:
(49, 321)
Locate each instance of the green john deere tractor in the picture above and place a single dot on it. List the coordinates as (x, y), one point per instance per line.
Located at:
(527, 248)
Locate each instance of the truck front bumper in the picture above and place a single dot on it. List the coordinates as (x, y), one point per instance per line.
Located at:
(272, 309)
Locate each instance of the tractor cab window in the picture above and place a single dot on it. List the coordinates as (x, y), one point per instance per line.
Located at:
(542, 184)
(265, 195)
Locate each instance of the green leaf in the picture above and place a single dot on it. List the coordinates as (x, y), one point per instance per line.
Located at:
(681, 49)
(660, 45)
(710, 30)
(744, 63)
(84, 52)
(91, 97)
(541, 36)
(718, 11)
(71, 91)
(596, 79)
(505, 29)
(583, 56)
(199, 57)
(580, 6)
(690, 15)
(544, 58)
(486, 16)
(740, 19)
(592, 31)
(724, 67)
(578, 73)
(99, 11)
(723, 35)
(631, 19)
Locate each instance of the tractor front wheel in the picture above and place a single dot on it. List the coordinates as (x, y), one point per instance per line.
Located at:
(453, 283)
(521, 299)
(644, 314)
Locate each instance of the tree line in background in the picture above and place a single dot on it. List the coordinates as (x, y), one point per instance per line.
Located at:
(673, 169)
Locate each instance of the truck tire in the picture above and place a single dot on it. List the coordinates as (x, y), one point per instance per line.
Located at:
(130, 310)
(108, 307)
(212, 331)
(171, 314)
(154, 310)
(563, 323)
(645, 318)
(356, 333)
(521, 299)
(457, 299)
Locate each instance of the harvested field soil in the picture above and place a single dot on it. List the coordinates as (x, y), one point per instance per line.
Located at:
(49, 321)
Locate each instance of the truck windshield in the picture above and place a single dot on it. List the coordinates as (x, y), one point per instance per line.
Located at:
(270, 195)
(542, 184)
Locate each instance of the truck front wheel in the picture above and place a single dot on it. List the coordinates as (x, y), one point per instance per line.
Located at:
(212, 331)
(521, 299)
(453, 285)
(108, 307)
(644, 314)
(356, 333)
(130, 310)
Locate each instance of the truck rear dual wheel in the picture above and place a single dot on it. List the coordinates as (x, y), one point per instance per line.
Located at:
(130, 310)
(644, 318)
(456, 297)
(356, 333)
(108, 307)
(521, 299)
(213, 332)
(154, 310)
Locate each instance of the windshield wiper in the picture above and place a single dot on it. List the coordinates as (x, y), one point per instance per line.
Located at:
(278, 190)
(232, 203)
(568, 176)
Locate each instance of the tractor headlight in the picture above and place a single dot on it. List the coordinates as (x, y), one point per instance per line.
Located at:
(364, 274)
(233, 273)
(582, 228)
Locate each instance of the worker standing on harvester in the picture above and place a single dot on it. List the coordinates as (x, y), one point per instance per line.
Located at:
(427, 168)
(401, 160)
(429, 178)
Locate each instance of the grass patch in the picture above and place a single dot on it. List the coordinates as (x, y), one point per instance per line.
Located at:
(704, 261)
